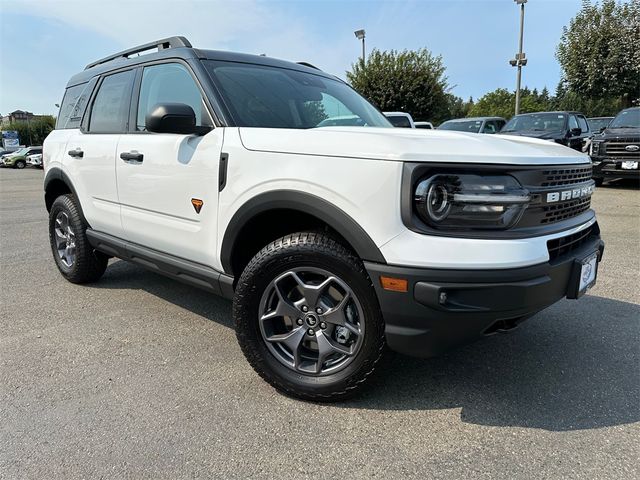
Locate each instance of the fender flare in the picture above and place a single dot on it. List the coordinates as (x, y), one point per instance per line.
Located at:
(56, 173)
(313, 205)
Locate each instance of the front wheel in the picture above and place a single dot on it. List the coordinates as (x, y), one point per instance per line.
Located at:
(307, 317)
(599, 181)
(20, 164)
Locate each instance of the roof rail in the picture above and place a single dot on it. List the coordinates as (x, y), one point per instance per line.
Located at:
(170, 42)
(307, 64)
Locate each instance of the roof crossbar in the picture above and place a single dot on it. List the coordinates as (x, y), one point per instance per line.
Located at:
(170, 42)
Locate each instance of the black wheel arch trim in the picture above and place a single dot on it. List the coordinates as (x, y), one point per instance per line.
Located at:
(56, 173)
(308, 203)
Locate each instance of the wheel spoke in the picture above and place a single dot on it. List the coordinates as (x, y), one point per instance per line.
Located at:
(312, 293)
(336, 314)
(326, 347)
(291, 339)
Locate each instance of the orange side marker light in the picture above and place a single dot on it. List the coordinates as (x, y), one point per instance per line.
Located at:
(394, 284)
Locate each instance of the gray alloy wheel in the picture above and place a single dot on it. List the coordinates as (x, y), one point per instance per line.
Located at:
(65, 239)
(311, 321)
(20, 164)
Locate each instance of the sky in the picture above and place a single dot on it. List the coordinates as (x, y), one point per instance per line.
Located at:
(45, 42)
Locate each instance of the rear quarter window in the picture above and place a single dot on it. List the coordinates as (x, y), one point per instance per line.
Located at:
(74, 105)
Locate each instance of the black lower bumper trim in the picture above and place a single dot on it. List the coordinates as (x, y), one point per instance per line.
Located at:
(446, 308)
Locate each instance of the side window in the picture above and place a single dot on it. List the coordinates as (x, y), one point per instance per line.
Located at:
(73, 105)
(501, 124)
(110, 109)
(583, 124)
(573, 123)
(489, 127)
(169, 83)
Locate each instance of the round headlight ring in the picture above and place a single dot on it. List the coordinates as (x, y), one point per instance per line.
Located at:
(438, 203)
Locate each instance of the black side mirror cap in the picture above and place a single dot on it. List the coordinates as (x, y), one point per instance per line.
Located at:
(576, 131)
(171, 118)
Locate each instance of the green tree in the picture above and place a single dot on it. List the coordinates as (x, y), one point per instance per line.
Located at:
(599, 53)
(501, 103)
(408, 81)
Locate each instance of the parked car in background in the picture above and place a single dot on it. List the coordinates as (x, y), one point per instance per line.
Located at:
(615, 153)
(566, 128)
(474, 124)
(598, 124)
(18, 159)
(400, 119)
(425, 125)
(35, 160)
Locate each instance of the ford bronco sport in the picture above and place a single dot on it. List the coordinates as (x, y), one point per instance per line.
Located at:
(210, 167)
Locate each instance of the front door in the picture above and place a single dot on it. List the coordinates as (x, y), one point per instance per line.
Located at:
(168, 187)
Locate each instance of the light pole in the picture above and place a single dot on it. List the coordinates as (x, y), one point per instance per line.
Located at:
(520, 60)
(360, 36)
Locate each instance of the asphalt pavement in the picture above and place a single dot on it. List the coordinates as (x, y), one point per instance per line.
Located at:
(138, 376)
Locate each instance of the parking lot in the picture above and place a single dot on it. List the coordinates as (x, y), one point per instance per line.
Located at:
(141, 377)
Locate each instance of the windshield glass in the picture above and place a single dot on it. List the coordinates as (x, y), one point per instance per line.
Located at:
(536, 122)
(399, 121)
(596, 124)
(273, 97)
(472, 126)
(627, 119)
(21, 151)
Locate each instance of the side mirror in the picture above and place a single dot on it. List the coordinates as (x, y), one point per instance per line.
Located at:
(576, 131)
(602, 129)
(171, 118)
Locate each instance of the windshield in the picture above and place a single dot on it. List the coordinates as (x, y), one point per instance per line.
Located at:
(627, 119)
(273, 97)
(472, 126)
(596, 124)
(399, 121)
(536, 122)
(21, 151)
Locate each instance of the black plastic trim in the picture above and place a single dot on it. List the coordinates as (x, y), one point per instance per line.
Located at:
(56, 173)
(303, 202)
(446, 308)
(180, 269)
(222, 171)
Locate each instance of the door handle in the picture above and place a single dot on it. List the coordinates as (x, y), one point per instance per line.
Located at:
(77, 153)
(131, 156)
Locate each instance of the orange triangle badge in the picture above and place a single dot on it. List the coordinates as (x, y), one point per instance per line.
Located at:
(197, 204)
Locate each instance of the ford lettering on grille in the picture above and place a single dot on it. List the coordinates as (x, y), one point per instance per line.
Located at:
(571, 194)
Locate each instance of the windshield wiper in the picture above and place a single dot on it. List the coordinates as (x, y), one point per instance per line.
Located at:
(627, 126)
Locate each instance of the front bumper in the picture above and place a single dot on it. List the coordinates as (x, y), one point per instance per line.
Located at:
(604, 167)
(446, 308)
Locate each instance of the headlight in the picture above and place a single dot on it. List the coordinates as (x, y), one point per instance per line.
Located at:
(455, 202)
(595, 148)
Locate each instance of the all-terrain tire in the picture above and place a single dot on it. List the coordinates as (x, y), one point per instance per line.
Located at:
(307, 250)
(88, 265)
(20, 164)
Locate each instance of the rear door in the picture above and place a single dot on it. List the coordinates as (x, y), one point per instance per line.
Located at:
(91, 152)
(169, 198)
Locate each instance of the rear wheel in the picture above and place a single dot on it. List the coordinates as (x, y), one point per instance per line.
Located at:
(76, 259)
(307, 317)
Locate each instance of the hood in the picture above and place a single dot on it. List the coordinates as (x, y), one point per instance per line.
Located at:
(613, 133)
(536, 134)
(408, 145)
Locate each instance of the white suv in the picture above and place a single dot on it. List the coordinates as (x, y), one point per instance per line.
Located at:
(210, 167)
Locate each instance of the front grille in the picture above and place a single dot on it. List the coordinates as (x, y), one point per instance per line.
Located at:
(618, 149)
(563, 245)
(566, 176)
(565, 210)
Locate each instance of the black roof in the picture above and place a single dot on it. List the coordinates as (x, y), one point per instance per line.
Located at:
(567, 112)
(179, 47)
